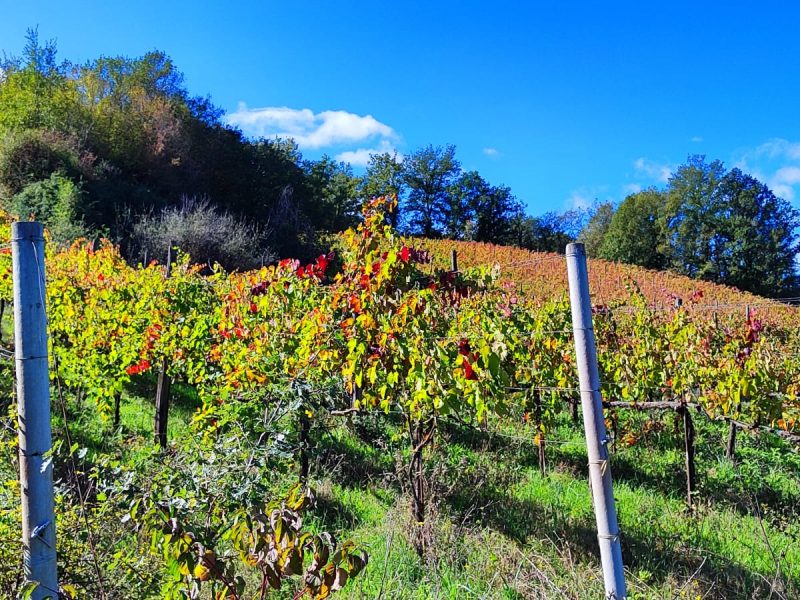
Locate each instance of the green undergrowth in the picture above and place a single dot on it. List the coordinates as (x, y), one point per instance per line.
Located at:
(500, 529)
(497, 527)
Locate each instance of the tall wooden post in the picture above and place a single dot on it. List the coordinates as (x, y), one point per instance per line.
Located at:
(688, 438)
(594, 424)
(33, 407)
(164, 382)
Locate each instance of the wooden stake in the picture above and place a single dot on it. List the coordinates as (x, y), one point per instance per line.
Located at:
(305, 426)
(730, 448)
(537, 398)
(164, 383)
(688, 438)
(608, 534)
(117, 398)
(33, 409)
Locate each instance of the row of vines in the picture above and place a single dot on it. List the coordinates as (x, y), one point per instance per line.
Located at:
(375, 324)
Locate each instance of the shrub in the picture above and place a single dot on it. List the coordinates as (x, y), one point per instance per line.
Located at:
(207, 235)
(56, 202)
(33, 156)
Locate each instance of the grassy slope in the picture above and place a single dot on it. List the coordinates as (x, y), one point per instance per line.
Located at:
(544, 275)
(502, 530)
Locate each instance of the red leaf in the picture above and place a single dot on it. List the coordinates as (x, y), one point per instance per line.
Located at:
(322, 264)
(469, 372)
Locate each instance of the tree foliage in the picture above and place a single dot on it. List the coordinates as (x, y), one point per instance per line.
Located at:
(728, 227)
(428, 174)
(594, 232)
(384, 178)
(633, 235)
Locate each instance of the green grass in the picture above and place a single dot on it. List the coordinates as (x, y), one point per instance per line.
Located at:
(499, 529)
(502, 530)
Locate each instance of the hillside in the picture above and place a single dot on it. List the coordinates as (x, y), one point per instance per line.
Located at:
(433, 414)
(543, 276)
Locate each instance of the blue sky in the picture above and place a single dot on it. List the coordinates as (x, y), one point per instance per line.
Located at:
(564, 104)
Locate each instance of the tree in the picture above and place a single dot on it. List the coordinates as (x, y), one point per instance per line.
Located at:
(494, 213)
(730, 228)
(56, 202)
(464, 195)
(761, 243)
(384, 177)
(550, 232)
(595, 230)
(334, 191)
(633, 235)
(428, 173)
(480, 211)
(35, 92)
(137, 108)
(691, 218)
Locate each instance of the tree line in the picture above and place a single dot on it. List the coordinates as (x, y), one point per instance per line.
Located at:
(708, 223)
(118, 147)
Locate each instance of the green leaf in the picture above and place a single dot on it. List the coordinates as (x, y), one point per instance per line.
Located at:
(27, 589)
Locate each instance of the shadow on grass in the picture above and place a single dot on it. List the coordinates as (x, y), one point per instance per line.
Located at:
(182, 396)
(334, 515)
(525, 519)
(646, 469)
(353, 464)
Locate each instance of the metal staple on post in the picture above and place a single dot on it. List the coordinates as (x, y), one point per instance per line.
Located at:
(594, 424)
(33, 406)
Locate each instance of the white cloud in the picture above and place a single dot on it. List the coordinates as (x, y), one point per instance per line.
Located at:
(357, 158)
(782, 191)
(697, 139)
(631, 188)
(579, 201)
(586, 197)
(653, 170)
(779, 148)
(776, 162)
(310, 130)
(784, 180)
(491, 152)
(360, 157)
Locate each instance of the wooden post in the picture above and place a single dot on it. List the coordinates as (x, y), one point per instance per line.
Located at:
(537, 398)
(730, 447)
(573, 407)
(33, 409)
(117, 399)
(453, 260)
(688, 438)
(417, 481)
(594, 425)
(164, 383)
(305, 426)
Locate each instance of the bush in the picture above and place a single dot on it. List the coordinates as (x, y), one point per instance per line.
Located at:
(208, 236)
(34, 156)
(56, 202)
